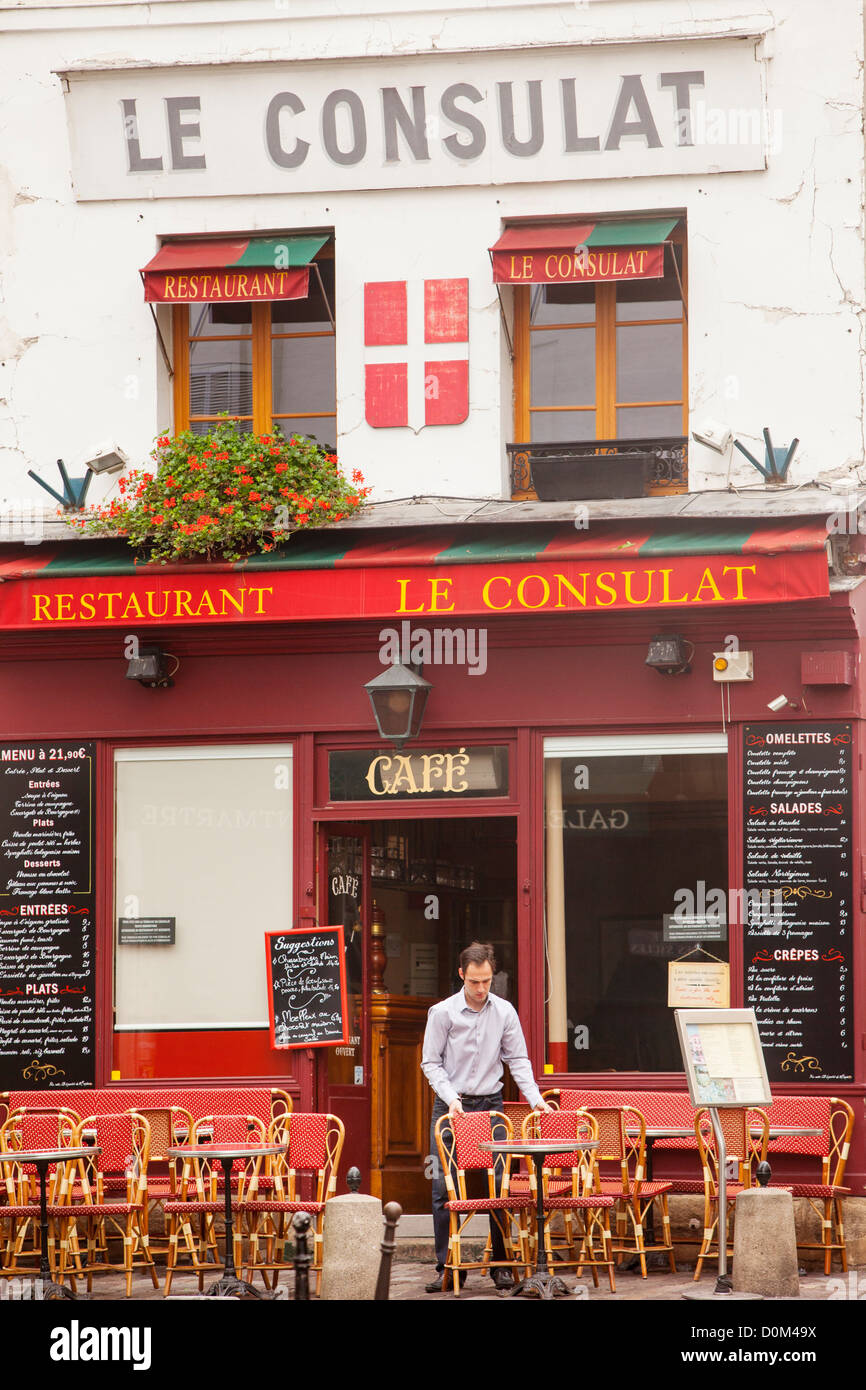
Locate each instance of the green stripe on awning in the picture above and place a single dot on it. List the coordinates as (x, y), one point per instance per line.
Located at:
(309, 551)
(649, 233)
(282, 253)
(493, 546)
(697, 541)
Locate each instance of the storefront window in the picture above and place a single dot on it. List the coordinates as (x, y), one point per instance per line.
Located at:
(636, 875)
(202, 870)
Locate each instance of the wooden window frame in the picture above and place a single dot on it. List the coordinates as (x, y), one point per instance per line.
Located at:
(262, 337)
(606, 404)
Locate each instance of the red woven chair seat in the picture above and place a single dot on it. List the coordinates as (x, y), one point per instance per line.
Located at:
(646, 1189)
(272, 1204)
(519, 1186)
(491, 1204)
(686, 1187)
(593, 1203)
(19, 1211)
(96, 1209)
(815, 1189)
(184, 1208)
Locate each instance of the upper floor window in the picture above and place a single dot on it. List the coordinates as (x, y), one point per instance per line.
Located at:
(600, 359)
(254, 336)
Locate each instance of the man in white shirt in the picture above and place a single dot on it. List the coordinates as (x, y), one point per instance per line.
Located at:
(469, 1036)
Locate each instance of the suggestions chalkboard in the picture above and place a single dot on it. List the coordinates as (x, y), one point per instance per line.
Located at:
(47, 957)
(798, 863)
(307, 987)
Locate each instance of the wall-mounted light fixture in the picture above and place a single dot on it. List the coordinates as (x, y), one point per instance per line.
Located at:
(398, 697)
(670, 654)
(150, 669)
(781, 702)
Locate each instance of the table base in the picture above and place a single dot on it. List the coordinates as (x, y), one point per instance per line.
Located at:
(229, 1286)
(541, 1285)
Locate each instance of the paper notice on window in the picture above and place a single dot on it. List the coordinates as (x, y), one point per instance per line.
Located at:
(699, 985)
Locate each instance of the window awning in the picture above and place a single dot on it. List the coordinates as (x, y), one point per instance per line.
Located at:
(350, 574)
(573, 252)
(244, 269)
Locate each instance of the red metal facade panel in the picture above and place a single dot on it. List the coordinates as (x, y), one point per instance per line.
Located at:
(386, 394)
(385, 313)
(446, 311)
(446, 392)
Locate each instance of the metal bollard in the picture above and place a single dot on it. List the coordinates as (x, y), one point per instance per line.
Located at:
(392, 1213)
(303, 1257)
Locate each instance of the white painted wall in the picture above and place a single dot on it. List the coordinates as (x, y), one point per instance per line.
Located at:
(776, 256)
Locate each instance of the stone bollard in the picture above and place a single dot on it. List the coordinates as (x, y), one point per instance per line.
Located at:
(765, 1243)
(351, 1252)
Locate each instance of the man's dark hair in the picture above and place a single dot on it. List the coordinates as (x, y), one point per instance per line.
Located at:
(477, 953)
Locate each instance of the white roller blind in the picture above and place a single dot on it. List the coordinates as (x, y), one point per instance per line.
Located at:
(620, 745)
(203, 835)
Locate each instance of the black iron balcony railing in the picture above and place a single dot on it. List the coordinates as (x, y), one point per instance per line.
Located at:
(667, 469)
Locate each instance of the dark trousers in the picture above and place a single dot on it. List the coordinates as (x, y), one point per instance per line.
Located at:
(441, 1220)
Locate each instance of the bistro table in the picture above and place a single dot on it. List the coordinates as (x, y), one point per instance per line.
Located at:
(542, 1283)
(42, 1160)
(229, 1284)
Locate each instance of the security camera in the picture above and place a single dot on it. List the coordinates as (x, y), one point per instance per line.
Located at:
(713, 434)
(781, 702)
(107, 458)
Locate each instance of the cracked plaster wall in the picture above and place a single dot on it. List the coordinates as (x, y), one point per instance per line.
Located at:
(776, 257)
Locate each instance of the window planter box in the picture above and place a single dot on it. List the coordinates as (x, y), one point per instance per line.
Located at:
(567, 478)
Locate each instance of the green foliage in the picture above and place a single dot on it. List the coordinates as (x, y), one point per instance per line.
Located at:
(224, 495)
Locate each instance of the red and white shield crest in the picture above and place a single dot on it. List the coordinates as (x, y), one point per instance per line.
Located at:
(408, 387)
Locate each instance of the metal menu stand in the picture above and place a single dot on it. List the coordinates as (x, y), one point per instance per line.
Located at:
(725, 1068)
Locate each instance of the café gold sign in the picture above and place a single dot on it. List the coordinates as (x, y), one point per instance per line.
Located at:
(413, 774)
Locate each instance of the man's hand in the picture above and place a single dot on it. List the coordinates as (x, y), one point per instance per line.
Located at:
(455, 1108)
(544, 1107)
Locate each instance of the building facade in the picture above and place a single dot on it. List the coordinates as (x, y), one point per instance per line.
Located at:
(530, 269)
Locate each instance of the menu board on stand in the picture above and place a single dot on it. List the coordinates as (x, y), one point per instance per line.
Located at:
(307, 987)
(798, 877)
(47, 958)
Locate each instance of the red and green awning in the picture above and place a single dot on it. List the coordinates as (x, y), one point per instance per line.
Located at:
(576, 252)
(449, 572)
(241, 269)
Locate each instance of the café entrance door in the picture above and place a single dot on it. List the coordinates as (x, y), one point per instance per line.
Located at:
(410, 895)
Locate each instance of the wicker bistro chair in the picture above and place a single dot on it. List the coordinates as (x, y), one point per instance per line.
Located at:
(824, 1196)
(741, 1143)
(201, 1196)
(96, 1209)
(29, 1128)
(457, 1140)
(622, 1141)
(314, 1143)
(583, 1197)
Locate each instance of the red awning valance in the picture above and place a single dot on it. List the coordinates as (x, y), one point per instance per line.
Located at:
(238, 269)
(578, 252)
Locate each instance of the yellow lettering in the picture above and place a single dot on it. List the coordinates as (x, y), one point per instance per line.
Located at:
(242, 286)
(255, 288)
(440, 589)
(109, 602)
(427, 759)
(707, 581)
(169, 287)
(182, 286)
(193, 287)
(527, 267)
(461, 757)
(403, 774)
(608, 589)
(270, 285)
(485, 592)
(545, 595)
(641, 256)
(260, 590)
(604, 270)
(549, 267)
(41, 602)
(236, 602)
(371, 774)
(648, 575)
(87, 599)
(136, 611)
(64, 608)
(666, 597)
(181, 603)
(404, 584)
(739, 571)
(216, 292)
(563, 582)
(629, 264)
(206, 599)
(150, 613)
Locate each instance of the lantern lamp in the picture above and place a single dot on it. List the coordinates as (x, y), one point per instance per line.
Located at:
(399, 698)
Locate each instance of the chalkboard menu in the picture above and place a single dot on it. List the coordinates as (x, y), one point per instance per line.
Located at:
(307, 987)
(47, 958)
(797, 847)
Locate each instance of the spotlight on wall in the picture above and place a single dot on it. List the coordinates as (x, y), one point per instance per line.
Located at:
(107, 458)
(670, 654)
(781, 702)
(714, 434)
(149, 668)
(398, 697)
